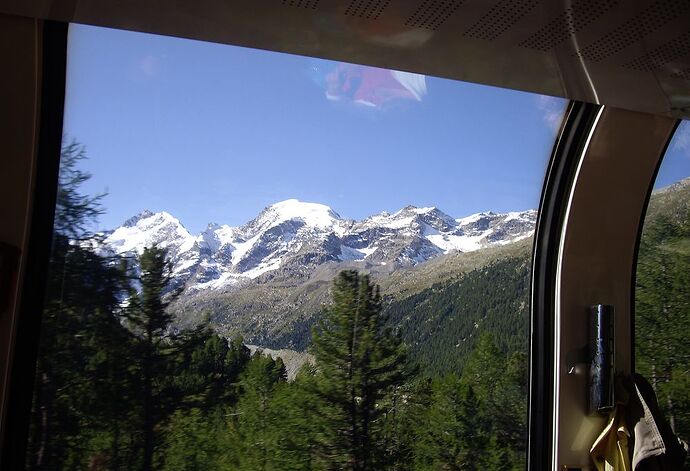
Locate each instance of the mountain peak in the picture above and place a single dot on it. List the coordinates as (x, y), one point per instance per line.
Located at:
(294, 235)
(131, 222)
(147, 229)
(313, 214)
(161, 217)
(293, 204)
(410, 208)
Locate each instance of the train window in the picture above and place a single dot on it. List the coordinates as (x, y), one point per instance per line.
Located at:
(349, 289)
(662, 295)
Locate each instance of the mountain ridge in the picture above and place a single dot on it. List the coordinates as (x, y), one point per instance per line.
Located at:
(289, 239)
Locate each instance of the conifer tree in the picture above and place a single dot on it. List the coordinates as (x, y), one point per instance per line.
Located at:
(74, 212)
(452, 435)
(257, 426)
(83, 350)
(500, 386)
(204, 388)
(207, 368)
(411, 421)
(663, 318)
(198, 440)
(293, 405)
(150, 321)
(359, 361)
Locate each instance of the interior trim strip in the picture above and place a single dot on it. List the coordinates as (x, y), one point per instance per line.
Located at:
(559, 267)
(557, 185)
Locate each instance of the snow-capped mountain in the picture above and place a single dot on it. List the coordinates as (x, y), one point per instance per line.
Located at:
(290, 238)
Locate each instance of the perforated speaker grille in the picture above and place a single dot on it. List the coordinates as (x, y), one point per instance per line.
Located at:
(500, 18)
(648, 20)
(369, 9)
(433, 13)
(301, 3)
(626, 34)
(660, 57)
(683, 74)
(575, 18)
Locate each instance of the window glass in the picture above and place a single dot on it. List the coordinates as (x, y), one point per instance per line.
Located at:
(662, 296)
(265, 261)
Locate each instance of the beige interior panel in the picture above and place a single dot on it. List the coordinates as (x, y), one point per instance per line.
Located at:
(597, 259)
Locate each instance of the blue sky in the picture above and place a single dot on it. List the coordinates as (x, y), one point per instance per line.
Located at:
(676, 163)
(214, 133)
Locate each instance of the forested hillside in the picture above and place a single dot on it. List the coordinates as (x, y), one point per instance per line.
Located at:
(662, 303)
(119, 387)
(443, 324)
(431, 376)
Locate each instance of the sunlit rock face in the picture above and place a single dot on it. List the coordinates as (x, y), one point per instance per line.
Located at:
(293, 238)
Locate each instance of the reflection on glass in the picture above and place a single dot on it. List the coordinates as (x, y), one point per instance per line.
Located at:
(368, 86)
(360, 301)
(662, 296)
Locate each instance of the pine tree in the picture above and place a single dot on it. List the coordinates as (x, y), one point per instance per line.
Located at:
(75, 212)
(662, 321)
(498, 458)
(204, 388)
(150, 320)
(83, 350)
(197, 440)
(256, 412)
(359, 361)
(452, 435)
(207, 368)
(297, 427)
(412, 414)
(500, 385)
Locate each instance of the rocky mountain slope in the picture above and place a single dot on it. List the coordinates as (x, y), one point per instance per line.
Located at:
(279, 314)
(291, 239)
(269, 278)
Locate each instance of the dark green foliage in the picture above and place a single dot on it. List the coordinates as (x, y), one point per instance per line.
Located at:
(197, 439)
(119, 389)
(500, 381)
(74, 211)
(258, 429)
(476, 421)
(207, 368)
(147, 310)
(451, 435)
(195, 371)
(662, 304)
(83, 348)
(441, 325)
(152, 348)
(81, 354)
(109, 379)
(206, 387)
(359, 363)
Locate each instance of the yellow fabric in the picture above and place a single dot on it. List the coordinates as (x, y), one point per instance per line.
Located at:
(610, 450)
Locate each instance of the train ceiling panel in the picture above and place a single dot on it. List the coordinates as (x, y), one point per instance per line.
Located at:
(301, 3)
(624, 53)
(432, 14)
(369, 10)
